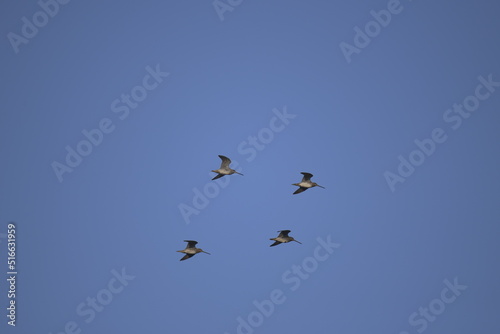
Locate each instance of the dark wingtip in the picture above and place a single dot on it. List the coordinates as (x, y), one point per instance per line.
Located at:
(218, 176)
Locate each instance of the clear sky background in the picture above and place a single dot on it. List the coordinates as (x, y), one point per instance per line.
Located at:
(119, 210)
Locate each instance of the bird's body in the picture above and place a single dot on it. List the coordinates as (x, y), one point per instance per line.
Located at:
(306, 183)
(224, 168)
(191, 250)
(282, 238)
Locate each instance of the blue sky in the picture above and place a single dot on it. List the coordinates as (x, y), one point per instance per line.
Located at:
(402, 132)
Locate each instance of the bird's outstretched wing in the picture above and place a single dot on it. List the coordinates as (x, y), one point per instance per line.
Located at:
(187, 256)
(284, 233)
(298, 191)
(275, 243)
(218, 176)
(307, 176)
(225, 162)
(191, 243)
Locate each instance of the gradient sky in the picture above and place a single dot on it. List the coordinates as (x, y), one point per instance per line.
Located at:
(351, 122)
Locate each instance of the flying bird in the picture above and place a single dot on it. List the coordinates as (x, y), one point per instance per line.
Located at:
(283, 238)
(224, 168)
(191, 250)
(306, 183)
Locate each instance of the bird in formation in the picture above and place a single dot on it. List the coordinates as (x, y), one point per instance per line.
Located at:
(283, 238)
(191, 250)
(306, 183)
(224, 168)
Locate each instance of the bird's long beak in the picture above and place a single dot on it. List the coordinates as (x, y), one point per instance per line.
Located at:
(238, 173)
(297, 241)
(321, 186)
(206, 253)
